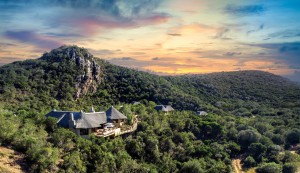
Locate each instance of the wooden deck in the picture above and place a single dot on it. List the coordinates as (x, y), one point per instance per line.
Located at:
(116, 131)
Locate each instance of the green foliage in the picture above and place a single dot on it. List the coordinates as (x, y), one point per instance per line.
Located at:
(269, 168)
(9, 126)
(44, 159)
(51, 124)
(29, 136)
(250, 113)
(293, 136)
(249, 162)
(73, 163)
(290, 157)
(246, 137)
(257, 151)
(289, 168)
(192, 166)
(273, 153)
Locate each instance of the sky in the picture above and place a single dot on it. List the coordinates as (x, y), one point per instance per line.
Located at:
(167, 37)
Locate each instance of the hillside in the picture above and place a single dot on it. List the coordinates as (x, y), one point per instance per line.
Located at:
(11, 161)
(69, 77)
(253, 116)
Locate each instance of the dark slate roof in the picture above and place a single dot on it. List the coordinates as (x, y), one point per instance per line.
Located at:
(163, 108)
(63, 117)
(91, 120)
(113, 114)
(82, 120)
(160, 108)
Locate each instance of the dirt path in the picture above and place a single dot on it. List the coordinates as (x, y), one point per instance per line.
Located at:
(11, 161)
(237, 166)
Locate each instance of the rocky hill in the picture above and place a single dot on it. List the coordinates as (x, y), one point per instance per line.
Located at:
(70, 77)
(89, 72)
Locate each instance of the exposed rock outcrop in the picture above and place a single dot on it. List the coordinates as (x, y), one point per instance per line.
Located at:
(89, 71)
(89, 80)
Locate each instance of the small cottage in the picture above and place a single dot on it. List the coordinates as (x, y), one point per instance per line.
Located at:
(164, 108)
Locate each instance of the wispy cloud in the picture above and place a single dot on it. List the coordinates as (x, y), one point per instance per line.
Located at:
(281, 47)
(63, 35)
(175, 34)
(3, 45)
(91, 17)
(285, 34)
(30, 37)
(104, 52)
(155, 59)
(123, 59)
(230, 54)
(222, 34)
(244, 10)
(260, 27)
(289, 52)
(82, 18)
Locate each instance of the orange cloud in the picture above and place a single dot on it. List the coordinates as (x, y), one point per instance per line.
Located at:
(194, 28)
(209, 65)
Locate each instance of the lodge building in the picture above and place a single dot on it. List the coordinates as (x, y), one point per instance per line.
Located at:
(85, 123)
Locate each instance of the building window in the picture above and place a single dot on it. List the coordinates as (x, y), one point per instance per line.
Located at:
(84, 131)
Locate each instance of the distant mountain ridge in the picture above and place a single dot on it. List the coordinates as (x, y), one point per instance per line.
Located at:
(70, 77)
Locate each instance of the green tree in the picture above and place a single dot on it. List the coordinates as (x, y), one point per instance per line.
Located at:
(249, 162)
(192, 166)
(44, 159)
(73, 163)
(257, 150)
(9, 126)
(269, 168)
(289, 168)
(246, 137)
(293, 136)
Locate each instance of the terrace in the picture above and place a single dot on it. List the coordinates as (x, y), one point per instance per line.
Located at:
(117, 131)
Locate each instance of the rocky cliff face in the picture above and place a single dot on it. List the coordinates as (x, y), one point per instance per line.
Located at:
(89, 76)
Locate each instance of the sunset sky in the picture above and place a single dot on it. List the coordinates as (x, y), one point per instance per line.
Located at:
(162, 36)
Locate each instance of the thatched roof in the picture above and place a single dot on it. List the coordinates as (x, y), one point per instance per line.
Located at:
(113, 114)
(80, 119)
(164, 108)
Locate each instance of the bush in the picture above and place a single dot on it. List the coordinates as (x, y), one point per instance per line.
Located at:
(249, 162)
(293, 137)
(289, 168)
(269, 168)
(192, 166)
(257, 150)
(246, 137)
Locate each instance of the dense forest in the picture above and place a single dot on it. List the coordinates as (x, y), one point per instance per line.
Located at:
(252, 115)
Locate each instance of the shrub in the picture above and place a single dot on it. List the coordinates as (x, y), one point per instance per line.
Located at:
(269, 168)
(289, 168)
(249, 162)
(192, 166)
